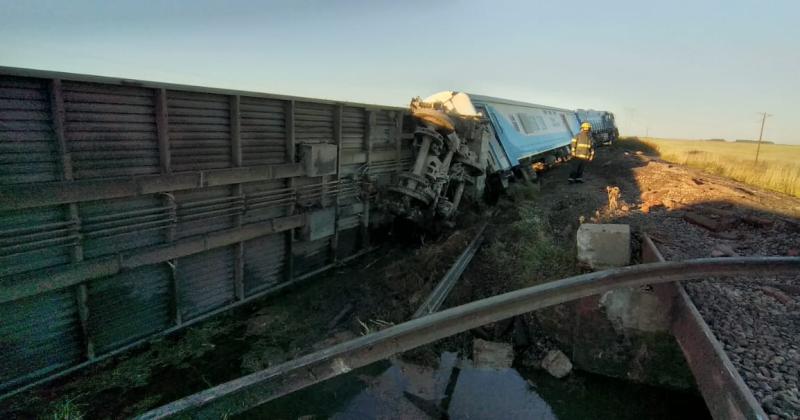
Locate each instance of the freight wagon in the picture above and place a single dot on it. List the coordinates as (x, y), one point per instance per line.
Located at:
(130, 208)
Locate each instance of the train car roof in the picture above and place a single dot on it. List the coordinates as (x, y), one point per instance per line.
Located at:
(492, 99)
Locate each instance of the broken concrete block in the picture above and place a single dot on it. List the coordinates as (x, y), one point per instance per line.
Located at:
(488, 354)
(557, 364)
(629, 308)
(604, 245)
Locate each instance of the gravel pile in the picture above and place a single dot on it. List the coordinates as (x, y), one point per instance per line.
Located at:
(756, 320)
(690, 214)
(758, 323)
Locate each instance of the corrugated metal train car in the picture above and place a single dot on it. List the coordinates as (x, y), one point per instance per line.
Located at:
(132, 208)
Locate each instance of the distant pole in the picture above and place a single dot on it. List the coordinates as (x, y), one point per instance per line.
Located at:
(761, 134)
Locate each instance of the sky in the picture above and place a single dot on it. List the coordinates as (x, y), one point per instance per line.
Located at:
(677, 69)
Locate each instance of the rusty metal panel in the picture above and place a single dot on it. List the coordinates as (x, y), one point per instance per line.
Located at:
(110, 130)
(199, 130)
(35, 238)
(263, 131)
(353, 127)
(319, 224)
(206, 210)
(112, 226)
(311, 256)
(111, 134)
(38, 335)
(266, 200)
(28, 150)
(205, 281)
(309, 191)
(349, 241)
(384, 132)
(128, 306)
(349, 190)
(319, 159)
(313, 122)
(350, 170)
(264, 261)
(349, 222)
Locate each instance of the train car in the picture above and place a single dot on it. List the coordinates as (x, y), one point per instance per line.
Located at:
(523, 135)
(603, 125)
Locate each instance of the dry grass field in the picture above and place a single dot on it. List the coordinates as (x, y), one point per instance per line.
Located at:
(778, 166)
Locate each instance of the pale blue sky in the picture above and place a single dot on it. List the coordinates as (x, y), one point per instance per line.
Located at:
(688, 69)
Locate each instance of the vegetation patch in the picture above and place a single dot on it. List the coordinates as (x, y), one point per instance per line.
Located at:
(777, 169)
(526, 247)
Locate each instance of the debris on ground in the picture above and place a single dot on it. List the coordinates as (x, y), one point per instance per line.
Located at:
(613, 197)
(690, 214)
(557, 364)
(492, 355)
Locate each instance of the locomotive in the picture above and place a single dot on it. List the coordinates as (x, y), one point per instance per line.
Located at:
(604, 127)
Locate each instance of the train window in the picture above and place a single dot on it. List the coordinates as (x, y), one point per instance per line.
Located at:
(541, 122)
(514, 122)
(529, 124)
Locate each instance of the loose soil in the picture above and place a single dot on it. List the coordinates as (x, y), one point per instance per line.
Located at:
(689, 214)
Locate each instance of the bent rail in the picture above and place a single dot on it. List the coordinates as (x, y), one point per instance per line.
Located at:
(249, 391)
(726, 394)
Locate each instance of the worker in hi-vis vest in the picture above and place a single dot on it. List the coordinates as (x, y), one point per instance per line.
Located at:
(582, 150)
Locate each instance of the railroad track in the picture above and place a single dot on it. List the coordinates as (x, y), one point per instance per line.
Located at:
(252, 390)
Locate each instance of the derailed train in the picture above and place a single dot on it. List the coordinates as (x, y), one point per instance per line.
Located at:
(482, 141)
(133, 208)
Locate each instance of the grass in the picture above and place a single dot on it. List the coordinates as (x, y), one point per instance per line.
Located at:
(778, 167)
(525, 251)
(66, 410)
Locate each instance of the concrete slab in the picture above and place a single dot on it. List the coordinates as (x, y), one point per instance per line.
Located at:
(489, 354)
(602, 246)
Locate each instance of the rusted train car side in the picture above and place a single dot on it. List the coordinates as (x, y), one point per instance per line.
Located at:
(129, 208)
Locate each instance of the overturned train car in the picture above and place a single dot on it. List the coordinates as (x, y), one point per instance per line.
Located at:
(130, 208)
(477, 142)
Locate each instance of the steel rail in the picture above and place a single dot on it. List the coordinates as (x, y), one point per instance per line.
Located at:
(442, 290)
(252, 390)
(726, 394)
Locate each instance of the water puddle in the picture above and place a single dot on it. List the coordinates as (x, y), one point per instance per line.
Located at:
(457, 390)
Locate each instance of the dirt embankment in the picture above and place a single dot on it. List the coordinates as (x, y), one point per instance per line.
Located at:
(690, 214)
